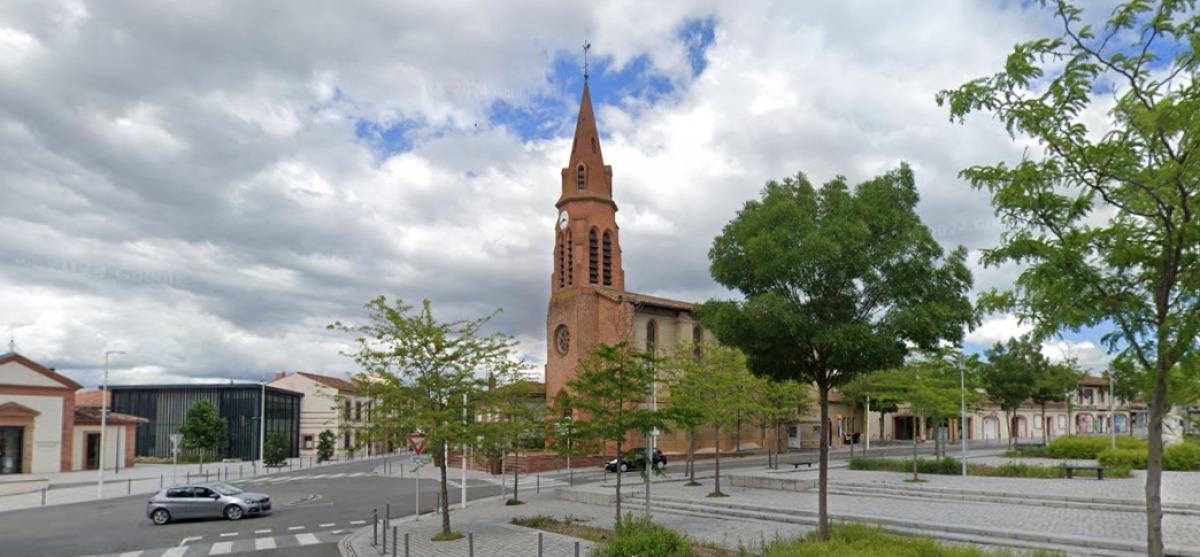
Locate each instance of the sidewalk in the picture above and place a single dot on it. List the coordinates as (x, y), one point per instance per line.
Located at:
(37, 490)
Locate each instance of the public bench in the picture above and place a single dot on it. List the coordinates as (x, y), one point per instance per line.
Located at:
(796, 465)
(1071, 469)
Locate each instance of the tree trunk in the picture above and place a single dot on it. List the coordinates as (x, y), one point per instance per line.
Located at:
(1154, 514)
(445, 500)
(915, 437)
(691, 455)
(717, 473)
(1012, 416)
(516, 472)
(1044, 426)
(823, 465)
(618, 521)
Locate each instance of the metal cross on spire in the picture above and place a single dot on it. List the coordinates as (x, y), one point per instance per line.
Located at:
(12, 343)
(586, 47)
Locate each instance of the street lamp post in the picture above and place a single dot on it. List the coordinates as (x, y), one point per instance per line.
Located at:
(962, 401)
(1112, 418)
(262, 424)
(104, 424)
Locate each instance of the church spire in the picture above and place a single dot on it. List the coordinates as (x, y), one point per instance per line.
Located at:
(586, 175)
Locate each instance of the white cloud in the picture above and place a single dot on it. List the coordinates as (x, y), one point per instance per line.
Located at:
(996, 329)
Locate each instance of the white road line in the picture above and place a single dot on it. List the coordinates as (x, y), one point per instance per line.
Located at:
(264, 543)
(191, 539)
(358, 522)
(175, 552)
(295, 528)
(319, 476)
(307, 539)
(336, 532)
(267, 531)
(327, 524)
(337, 475)
(130, 554)
(229, 534)
(221, 548)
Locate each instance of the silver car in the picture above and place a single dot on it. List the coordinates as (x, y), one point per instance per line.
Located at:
(205, 500)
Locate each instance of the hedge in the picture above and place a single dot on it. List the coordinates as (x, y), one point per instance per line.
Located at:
(1076, 447)
(1183, 457)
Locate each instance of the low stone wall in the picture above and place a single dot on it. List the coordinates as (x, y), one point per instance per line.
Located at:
(772, 482)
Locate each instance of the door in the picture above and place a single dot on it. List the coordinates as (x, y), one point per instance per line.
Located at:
(203, 504)
(92, 451)
(12, 443)
(991, 428)
(179, 501)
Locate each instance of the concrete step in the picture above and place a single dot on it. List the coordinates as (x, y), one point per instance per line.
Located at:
(983, 496)
(958, 533)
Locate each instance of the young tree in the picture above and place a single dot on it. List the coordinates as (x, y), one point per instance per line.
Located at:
(425, 375)
(612, 381)
(275, 452)
(1102, 216)
(715, 385)
(515, 419)
(865, 389)
(325, 443)
(203, 429)
(836, 283)
(1011, 374)
(778, 402)
(1056, 380)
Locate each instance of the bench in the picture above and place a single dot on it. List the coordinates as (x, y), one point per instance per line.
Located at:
(798, 464)
(1072, 469)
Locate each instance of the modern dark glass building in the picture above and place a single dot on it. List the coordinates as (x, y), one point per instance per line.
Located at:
(240, 404)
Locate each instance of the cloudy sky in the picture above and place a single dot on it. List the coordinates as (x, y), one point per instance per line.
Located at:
(206, 185)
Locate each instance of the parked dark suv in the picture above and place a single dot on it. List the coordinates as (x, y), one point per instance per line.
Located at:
(635, 460)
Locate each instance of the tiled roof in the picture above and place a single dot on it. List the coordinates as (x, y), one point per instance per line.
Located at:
(645, 299)
(91, 415)
(1093, 381)
(333, 382)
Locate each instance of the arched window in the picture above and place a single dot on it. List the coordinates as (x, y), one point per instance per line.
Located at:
(570, 261)
(579, 178)
(651, 336)
(562, 251)
(593, 258)
(607, 259)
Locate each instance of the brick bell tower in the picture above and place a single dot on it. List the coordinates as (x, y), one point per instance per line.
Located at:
(587, 282)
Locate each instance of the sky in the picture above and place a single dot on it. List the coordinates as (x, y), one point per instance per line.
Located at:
(205, 186)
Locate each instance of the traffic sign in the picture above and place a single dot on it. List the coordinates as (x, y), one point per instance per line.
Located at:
(417, 442)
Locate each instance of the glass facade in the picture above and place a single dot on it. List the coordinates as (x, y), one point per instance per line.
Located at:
(240, 404)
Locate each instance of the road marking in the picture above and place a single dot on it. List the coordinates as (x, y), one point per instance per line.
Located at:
(175, 552)
(319, 476)
(337, 475)
(228, 534)
(130, 554)
(327, 524)
(290, 528)
(267, 531)
(221, 548)
(307, 539)
(336, 532)
(358, 522)
(191, 539)
(264, 543)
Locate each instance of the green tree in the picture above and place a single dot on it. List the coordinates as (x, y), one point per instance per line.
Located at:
(1056, 380)
(425, 375)
(275, 452)
(777, 403)
(514, 420)
(1011, 374)
(203, 429)
(864, 390)
(612, 381)
(1101, 214)
(325, 443)
(715, 385)
(837, 282)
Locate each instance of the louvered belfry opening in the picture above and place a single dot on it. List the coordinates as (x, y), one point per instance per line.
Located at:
(593, 258)
(607, 259)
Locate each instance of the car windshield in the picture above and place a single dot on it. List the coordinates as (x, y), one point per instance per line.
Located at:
(225, 489)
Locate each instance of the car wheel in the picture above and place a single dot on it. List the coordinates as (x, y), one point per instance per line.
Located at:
(160, 516)
(624, 467)
(234, 512)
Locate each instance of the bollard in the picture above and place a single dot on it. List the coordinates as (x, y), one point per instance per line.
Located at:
(388, 513)
(375, 527)
(160, 481)
(240, 471)
(539, 484)
(406, 544)
(539, 544)
(129, 487)
(43, 497)
(394, 540)
(385, 529)
(189, 477)
(576, 549)
(470, 544)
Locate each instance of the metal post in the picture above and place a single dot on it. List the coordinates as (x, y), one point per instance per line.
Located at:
(962, 399)
(539, 484)
(104, 425)
(129, 487)
(470, 544)
(160, 481)
(577, 549)
(43, 497)
(1112, 418)
(462, 453)
(417, 514)
(375, 527)
(385, 530)
(394, 540)
(406, 544)
(262, 422)
(539, 544)
(867, 421)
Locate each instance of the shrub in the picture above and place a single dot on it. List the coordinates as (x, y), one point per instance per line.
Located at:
(945, 466)
(639, 536)
(1076, 447)
(1124, 458)
(1184, 457)
(858, 540)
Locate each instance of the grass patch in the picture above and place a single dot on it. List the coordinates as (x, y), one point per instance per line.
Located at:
(514, 502)
(717, 494)
(692, 484)
(441, 537)
(567, 526)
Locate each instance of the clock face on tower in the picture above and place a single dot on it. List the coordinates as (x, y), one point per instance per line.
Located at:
(563, 219)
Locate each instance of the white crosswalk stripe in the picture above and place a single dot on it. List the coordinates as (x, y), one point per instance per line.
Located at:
(264, 543)
(307, 539)
(130, 554)
(221, 548)
(175, 551)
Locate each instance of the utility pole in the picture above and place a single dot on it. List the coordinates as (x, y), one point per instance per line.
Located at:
(104, 425)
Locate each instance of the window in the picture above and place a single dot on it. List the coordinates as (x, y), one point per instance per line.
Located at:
(308, 442)
(358, 411)
(579, 178)
(593, 256)
(179, 492)
(651, 336)
(607, 259)
(570, 262)
(346, 439)
(347, 412)
(562, 259)
(697, 338)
